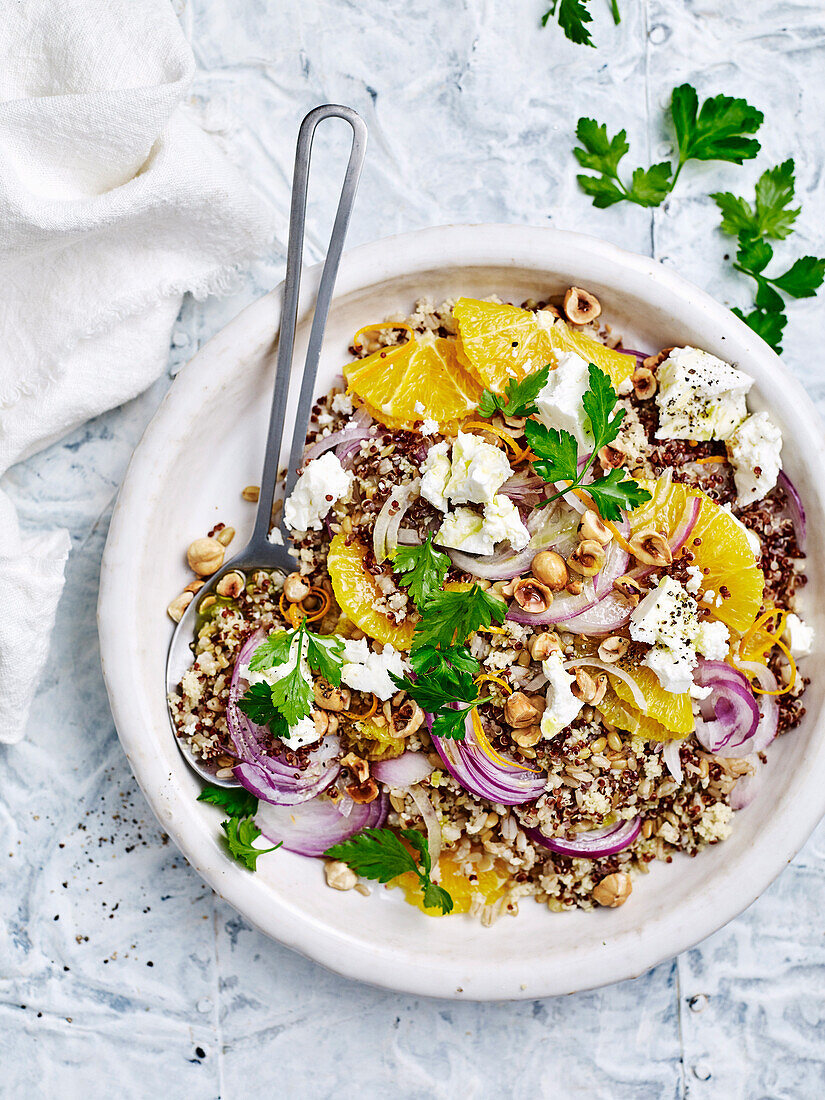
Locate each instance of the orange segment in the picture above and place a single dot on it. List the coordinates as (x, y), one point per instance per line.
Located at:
(672, 713)
(420, 380)
(497, 342)
(624, 716)
(491, 886)
(357, 593)
(720, 548)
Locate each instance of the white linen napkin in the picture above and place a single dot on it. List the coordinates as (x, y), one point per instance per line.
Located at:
(113, 204)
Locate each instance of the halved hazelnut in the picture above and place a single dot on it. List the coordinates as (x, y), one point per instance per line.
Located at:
(653, 361)
(587, 558)
(363, 792)
(592, 527)
(358, 767)
(527, 736)
(230, 585)
(532, 596)
(613, 649)
(629, 588)
(541, 646)
(405, 718)
(644, 383)
(523, 710)
(590, 689)
(611, 457)
(328, 697)
(581, 306)
(651, 548)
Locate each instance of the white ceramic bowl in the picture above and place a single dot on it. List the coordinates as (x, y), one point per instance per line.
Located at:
(206, 442)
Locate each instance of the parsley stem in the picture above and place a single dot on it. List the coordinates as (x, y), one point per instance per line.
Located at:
(615, 9)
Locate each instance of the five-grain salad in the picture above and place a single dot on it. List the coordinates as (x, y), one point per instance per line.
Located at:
(544, 628)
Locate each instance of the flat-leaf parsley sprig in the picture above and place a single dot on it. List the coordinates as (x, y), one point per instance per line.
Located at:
(573, 18)
(770, 216)
(519, 399)
(240, 830)
(378, 854)
(718, 130)
(557, 456)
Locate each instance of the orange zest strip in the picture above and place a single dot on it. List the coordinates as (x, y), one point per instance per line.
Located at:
(489, 751)
(378, 326)
(494, 429)
(747, 649)
(710, 458)
(485, 677)
(321, 595)
(757, 690)
(291, 611)
(367, 713)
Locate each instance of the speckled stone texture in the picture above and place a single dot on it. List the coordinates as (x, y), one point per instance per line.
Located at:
(120, 972)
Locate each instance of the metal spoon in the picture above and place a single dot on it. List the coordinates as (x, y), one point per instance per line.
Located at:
(259, 552)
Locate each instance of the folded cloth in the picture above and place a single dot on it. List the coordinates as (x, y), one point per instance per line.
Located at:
(113, 204)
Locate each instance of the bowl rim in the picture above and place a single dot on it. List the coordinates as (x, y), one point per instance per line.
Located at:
(369, 265)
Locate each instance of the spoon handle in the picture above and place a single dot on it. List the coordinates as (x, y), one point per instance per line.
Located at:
(292, 283)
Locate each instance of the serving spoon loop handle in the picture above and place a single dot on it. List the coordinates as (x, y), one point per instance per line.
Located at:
(289, 314)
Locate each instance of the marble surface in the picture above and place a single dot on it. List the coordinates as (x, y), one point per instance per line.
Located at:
(119, 970)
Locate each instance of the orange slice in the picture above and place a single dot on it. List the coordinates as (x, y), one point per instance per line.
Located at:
(497, 342)
(357, 593)
(491, 886)
(420, 380)
(720, 548)
(624, 716)
(668, 712)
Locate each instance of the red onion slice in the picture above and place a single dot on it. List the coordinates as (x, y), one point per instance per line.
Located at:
(671, 754)
(768, 705)
(796, 508)
(481, 776)
(344, 437)
(493, 567)
(524, 488)
(266, 774)
(604, 617)
(314, 826)
(729, 716)
(402, 771)
(594, 844)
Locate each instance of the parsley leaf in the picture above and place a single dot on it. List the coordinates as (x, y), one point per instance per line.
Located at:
(325, 655)
(714, 131)
(573, 18)
(520, 396)
(438, 688)
(769, 216)
(448, 722)
(453, 616)
(803, 278)
(259, 708)
(378, 854)
(600, 153)
(273, 650)
(429, 658)
(292, 695)
(769, 326)
(557, 452)
(241, 832)
(423, 570)
(234, 801)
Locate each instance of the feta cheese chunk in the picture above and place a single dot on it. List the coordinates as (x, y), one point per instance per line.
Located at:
(322, 483)
(464, 530)
(699, 396)
(477, 472)
(502, 521)
(754, 450)
(667, 620)
(435, 473)
(559, 404)
(799, 636)
(364, 670)
(562, 705)
(342, 403)
(712, 640)
(673, 666)
(694, 581)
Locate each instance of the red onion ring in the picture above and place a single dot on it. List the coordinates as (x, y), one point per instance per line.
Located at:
(402, 771)
(481, 776)
(342, 438)
(671, 754)
(729, 716)
(594, 844)
(493, 567)
(795, 507)
(524, 488)
(267, 775)
(768, 705)
(314, 826)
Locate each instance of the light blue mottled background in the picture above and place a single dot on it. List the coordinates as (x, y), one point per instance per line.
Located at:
(120, 972)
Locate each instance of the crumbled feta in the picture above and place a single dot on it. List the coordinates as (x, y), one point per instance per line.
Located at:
(502, 521)
(715, 823)
(712, 640)
(666, 619)
(673, 666)
(754, 450)
(562, 705)
(435, 473)
(699, 396)
(342, 403)
(322, 483)
(464, 530)
(303, 733)
(429, 427)
(275, 537)
(477, 472)
(697, 692)
(694, 581)
(559, 403)
(364, 670)
(799, 636)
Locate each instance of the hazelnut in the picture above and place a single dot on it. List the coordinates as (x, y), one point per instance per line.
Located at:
(177, 607)
(194, 586)
(251, 493)
(581, 306)
(550, 568)
(359, 768)
(532, 596)
(403, 717)
(590, 689)
(575, 587)
(613, 649)
(205, 556)
(231, 585)
(592, 527)
(541, 646)
(551, 310)
(612, 891)
(328, 697)
(611, 457)
(295, 588)
(653, 361)
(363, 792)
(629, 588)
(523, 710)
(225, 535)
(644, 383)
(651, 548)
(325, 722)
(338, 875)
(526, 737)
(587, 558)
